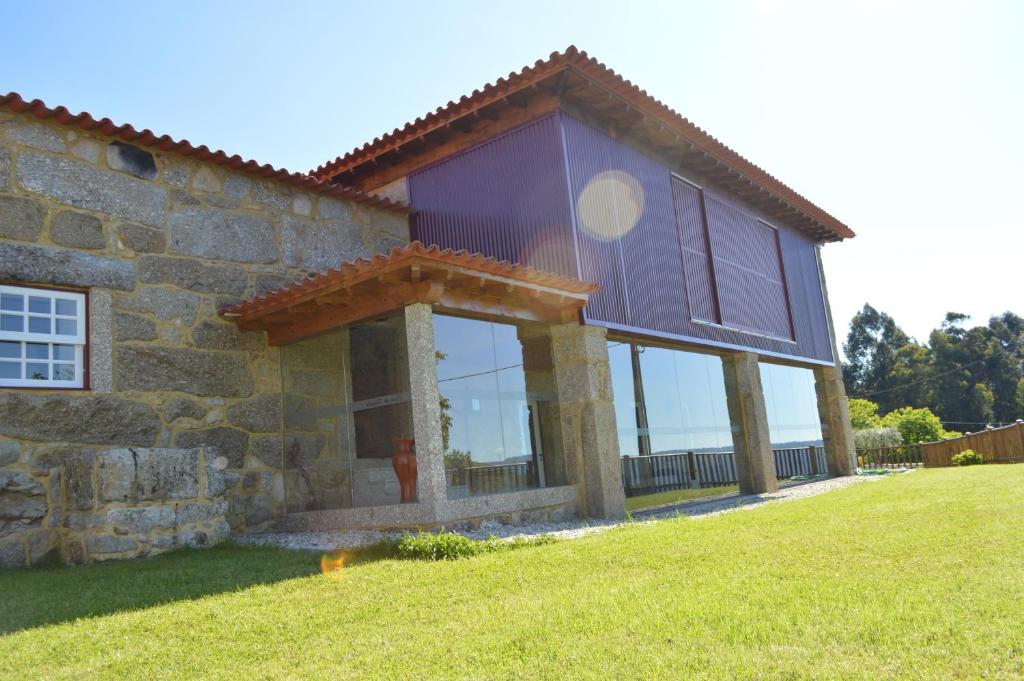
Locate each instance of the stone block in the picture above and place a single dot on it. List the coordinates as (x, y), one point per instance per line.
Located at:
(335, 209)
(192, 275)
(81, 230)
(101, 356)
(164, 304)
(206, 179)
(139, 475)
(211, 335)
(302, 449)
(48, 265)
(99, 544)
(320, 245)
(267, 448)
(77, 418)
(85, 520)
(141, 239)
(5, 168)
(260, 414)
(10, 451)
(16, 482)
(216, 476)
(183, 407)
(192, 513)
(230, 443)
(265, 283)
(237, 186)
(141, 520)
(131, 159)
(220, 235)
(133, 327)
(257, 510)
(176, 171)
(13, 554)
(87, 150)
(43, 544)
(302, 205)
(20, 218)
(85, 186)
(78, 489)
(38, 135)
(197, 372)
(271, 194)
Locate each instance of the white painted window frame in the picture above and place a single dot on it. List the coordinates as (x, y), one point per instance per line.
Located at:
(78, 339)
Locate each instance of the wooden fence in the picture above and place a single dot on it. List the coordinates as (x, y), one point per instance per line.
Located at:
(663, 472)
(996, 445)
(901, 456)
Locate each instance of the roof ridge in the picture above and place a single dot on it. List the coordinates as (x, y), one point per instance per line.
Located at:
(165, 143)
(574, 58)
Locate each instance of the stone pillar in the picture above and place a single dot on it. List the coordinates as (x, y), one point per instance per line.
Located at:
(589, 434)
(836, 430)
(426, 408)
(833, 408)
(755, 463)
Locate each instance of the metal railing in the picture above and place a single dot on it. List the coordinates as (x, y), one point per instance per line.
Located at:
(493, 479)
(682, 470)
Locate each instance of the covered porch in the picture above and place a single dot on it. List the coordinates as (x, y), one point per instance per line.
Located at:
(426, 387)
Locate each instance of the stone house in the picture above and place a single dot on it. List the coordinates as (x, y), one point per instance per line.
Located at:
(194, 345)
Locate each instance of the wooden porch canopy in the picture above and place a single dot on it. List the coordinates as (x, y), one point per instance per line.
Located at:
(449, 280)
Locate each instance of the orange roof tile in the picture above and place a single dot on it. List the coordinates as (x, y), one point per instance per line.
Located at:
(146, 138)
(581, 63)
(356, 271)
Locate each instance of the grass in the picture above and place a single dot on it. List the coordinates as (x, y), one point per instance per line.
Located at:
(675, 495)
(917, 576)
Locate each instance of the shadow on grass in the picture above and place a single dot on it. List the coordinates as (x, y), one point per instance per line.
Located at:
(54, 594)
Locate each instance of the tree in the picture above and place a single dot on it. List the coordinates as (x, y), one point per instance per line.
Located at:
(864, 414)
(883, 362)
(916, 425)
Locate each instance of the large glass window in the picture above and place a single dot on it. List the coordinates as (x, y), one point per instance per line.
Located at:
(673, 422)
(500, 425)
(346, 402)
(42, 338)
(792, 405)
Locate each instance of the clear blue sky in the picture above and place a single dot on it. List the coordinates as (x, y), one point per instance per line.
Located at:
(904, 119)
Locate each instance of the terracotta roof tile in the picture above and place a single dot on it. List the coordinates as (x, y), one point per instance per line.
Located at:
(361, 269)
(582, 63)
(164, 143)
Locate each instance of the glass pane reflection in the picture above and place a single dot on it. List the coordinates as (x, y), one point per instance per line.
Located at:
(792, 406)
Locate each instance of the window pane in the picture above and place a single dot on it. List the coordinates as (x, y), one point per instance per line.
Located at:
(498, 407)
(792, 406)
(10, 370)
(11, 323)
(64, 353)
(39, 325)
(39, 372)
(67, 307)
(63, 372)
(37, 351)
(66, 327)
(10, 349)
(39, 305)
(12, 302)
(621, 364)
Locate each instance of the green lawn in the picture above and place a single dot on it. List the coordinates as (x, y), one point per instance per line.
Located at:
(676, 495)
(917, 576)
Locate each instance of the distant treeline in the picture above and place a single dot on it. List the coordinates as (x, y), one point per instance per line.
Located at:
(970, 377)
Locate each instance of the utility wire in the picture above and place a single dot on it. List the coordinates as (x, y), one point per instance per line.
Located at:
(923, 380)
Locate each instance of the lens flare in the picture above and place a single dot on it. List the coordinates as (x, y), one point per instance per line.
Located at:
(610, 205)
(332, 563)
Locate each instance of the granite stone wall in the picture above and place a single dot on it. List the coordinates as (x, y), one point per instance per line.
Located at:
(118, 503)
(160, 242)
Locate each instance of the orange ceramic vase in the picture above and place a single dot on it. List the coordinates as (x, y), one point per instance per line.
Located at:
(404, 463)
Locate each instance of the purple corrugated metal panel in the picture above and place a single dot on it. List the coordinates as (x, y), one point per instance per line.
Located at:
(626, 231)
(748, 270)
(506, 197)
(700, 277)
(663, 287)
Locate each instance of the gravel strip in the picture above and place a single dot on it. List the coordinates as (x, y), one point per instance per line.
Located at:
(330, 541)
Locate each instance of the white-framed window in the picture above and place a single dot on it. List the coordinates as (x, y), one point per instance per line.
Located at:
(42, 338)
